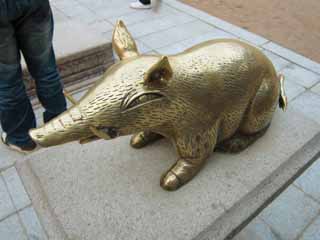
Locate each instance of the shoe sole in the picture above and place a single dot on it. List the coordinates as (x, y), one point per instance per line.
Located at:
(15, 148)
(141, 8)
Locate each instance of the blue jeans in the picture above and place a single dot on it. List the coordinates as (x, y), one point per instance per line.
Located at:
(27, 26)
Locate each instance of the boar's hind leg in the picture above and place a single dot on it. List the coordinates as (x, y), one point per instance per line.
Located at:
(239, 142)
(257, 118)
(260, 112)
(193, 151)
(142, 139)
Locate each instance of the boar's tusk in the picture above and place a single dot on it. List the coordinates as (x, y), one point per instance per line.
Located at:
(99, 133)
(69, 97)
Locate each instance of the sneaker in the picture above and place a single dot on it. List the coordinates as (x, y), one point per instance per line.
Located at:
(138, 5)
(25, 148)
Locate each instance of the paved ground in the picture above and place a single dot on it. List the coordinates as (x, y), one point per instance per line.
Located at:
(292, 23)
(294, 215)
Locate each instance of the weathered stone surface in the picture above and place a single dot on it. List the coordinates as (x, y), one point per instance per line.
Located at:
(107, 190)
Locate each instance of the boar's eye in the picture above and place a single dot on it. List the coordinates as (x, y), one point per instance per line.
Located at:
(144, 98)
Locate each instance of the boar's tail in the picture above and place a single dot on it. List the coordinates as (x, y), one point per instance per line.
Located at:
(283, 101)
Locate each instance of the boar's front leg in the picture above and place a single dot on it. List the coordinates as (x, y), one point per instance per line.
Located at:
(193, 151)
(144, 138)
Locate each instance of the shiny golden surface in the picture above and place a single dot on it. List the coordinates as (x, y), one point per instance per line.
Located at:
(220, 94)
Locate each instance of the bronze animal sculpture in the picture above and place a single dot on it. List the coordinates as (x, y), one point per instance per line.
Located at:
(220, 94)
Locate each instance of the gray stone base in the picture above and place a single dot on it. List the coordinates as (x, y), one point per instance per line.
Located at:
(108, 191)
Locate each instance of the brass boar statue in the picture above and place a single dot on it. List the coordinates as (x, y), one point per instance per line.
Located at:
(218, 95)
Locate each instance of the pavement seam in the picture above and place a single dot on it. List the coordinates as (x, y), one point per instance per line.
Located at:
(291, 61)
(274, 232)
(307, 194)
(209, 22)
(307, 226)
(15, 212)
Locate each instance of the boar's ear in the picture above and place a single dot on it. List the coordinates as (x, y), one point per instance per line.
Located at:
(159, 74)
(122, 42)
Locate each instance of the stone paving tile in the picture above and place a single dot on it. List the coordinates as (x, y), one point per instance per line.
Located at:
(153, 52)
(58, 15)
(313, 231)
(308, 103)
(309, 182)
(153, 26)
(101, 27)
(82, 35)
(82, 14)
(64, 5)
(113, 11)
(176, 34)
(16, 188)
(256, 230)
(240, 32)
(135, 17)
(290, 213)
(32, 224)
(278, 62)
(293, 90)
(213, 34)
(143, 48)
(103, 4)
(293, 56)
(6, 205)
(316, 89)
(7, 157)
(11, 229)
(146, 16)
(248, 36)
(146, 28)
(300, 75)
(172, 49)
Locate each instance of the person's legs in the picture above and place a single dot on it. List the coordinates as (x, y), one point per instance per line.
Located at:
(16, 114)
(34, 34)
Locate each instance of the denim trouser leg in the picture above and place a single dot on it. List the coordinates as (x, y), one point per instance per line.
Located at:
(31, 33)
(16, 114)
(35, 41)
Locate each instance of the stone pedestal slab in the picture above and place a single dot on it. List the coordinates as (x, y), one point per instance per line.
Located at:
(108, 191)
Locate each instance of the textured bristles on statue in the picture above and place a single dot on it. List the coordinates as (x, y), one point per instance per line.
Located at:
(218, 95)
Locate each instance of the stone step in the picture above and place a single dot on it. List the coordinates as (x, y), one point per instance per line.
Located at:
(82, 53)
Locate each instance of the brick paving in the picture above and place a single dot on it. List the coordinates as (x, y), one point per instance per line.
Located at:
(295, 214)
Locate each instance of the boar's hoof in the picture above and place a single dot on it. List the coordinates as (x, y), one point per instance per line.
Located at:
(142, 139)
(170, 182)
